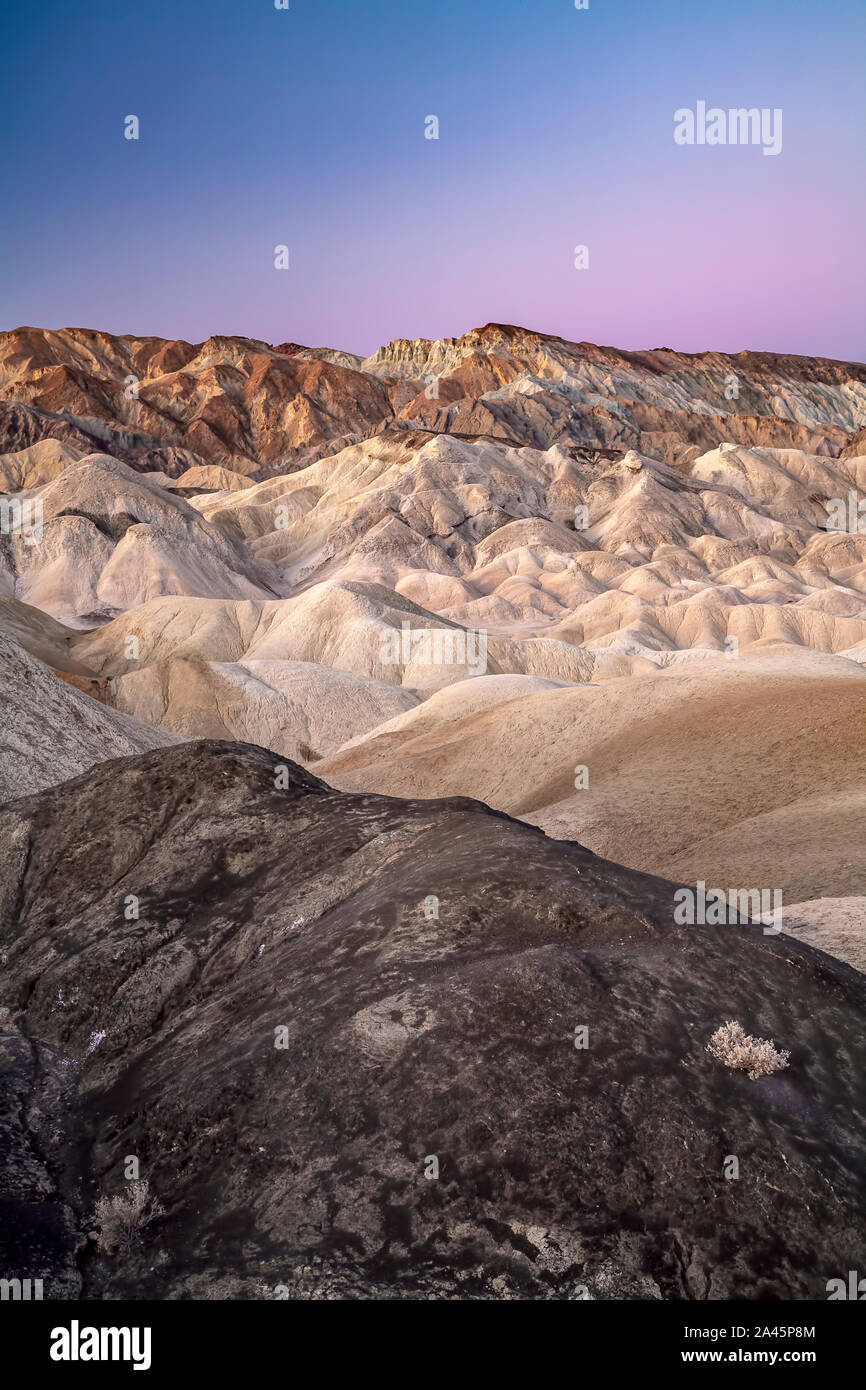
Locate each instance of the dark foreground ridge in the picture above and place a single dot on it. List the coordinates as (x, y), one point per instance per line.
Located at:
(407, 1038)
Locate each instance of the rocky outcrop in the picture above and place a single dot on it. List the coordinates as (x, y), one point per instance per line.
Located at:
(360, 1047)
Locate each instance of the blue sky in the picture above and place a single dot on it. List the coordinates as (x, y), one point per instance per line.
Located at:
(306, 128)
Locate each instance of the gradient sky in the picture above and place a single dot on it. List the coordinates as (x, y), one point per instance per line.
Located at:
(306, 127)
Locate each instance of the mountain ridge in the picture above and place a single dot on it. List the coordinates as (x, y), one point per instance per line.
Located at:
(258, 409)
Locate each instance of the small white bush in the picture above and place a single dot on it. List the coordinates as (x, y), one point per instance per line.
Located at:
(736, 1048)
(119, 1219)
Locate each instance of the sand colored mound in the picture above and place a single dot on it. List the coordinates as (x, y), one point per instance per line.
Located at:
(111, 539)
(748, 772)
(484, 534)
(731, 548)
(348, 626)
(834, 925)
(362, 628)
(300, 710)
(209, 478)
(44, 637)
(302, 676)
(35, 465)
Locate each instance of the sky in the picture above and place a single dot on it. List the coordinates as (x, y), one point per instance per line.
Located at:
(305, 128)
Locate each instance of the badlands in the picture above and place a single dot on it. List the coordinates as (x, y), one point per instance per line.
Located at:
(274, 623)
(608, 593)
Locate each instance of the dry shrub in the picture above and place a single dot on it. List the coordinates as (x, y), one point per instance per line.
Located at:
(120, 1219)
(737, 1049)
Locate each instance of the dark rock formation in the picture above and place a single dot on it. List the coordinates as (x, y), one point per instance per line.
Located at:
(296, 915)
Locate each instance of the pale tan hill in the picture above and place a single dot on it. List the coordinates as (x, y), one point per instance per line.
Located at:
(483, 535)
(43, 636)
(37, 464)
(50, 731)
(361, 628)
(299, 710)
(749, 772)
(207, 477)
(301, 676)
(222, 669)
(112, 539)
(343, 625)
(834, 925)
